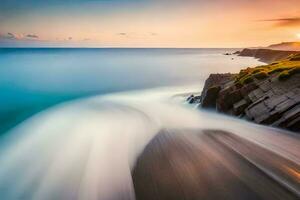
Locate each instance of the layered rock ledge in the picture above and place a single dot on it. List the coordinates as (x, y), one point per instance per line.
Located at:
(268, 94)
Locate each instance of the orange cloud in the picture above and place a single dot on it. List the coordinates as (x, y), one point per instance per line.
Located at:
(282, 22)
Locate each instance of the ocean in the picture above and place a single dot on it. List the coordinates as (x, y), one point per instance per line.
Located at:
(33, 79)
(73, 121)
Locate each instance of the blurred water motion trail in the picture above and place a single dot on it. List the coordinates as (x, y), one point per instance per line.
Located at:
(88, 150)
(187, 164)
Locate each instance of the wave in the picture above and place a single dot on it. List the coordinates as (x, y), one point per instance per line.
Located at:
(86, 149)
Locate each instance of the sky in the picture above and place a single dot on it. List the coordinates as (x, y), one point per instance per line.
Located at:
(148, 23)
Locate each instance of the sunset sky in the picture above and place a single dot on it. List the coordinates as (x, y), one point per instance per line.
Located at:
(148, 23)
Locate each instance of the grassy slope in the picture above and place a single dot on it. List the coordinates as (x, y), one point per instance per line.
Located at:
(282, 69)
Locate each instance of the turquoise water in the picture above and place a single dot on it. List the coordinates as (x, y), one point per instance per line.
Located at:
(110, 103)
(34, 79)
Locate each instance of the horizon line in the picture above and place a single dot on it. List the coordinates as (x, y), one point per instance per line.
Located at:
(45, 47)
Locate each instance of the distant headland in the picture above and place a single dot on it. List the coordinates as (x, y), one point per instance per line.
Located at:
(272, 52)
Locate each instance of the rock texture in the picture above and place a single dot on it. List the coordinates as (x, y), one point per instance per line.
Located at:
(267, 94)
(268, 101)
(266, 55)
(212, 88)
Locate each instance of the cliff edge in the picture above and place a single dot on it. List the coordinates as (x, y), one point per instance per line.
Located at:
(266, 55)
(268, 94)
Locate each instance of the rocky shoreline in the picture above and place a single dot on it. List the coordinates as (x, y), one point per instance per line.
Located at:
(265, 55)
(268, 94)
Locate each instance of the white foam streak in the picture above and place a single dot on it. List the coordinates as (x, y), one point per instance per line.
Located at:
(85, 150)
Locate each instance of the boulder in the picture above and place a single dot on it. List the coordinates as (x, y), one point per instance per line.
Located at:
(193, 99)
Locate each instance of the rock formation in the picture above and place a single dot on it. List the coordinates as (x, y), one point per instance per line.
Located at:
(267, 94)
(266, 55)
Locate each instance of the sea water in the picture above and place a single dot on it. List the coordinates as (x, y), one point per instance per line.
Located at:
(32, 79)
(74, 120)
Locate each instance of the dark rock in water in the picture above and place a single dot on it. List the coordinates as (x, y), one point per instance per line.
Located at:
(193, 99)
(190, 98)
(211, 97)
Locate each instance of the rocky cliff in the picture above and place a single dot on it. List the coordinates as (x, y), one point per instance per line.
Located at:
(268, 94)
(266, 55)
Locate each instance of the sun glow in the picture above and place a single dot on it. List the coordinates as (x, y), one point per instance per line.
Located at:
(298, 35)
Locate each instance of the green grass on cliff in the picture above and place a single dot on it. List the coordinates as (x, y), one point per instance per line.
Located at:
(283, 69)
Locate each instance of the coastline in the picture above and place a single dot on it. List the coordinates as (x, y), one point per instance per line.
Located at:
(122, 124)
(267, 94)
(265, 55)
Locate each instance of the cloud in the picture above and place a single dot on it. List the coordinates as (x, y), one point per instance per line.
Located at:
(32, 36)
(283, 22)
(122, 34)
(137, 35)
(12, 36)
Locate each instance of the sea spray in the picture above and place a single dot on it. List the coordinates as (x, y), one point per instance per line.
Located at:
(86, 149)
